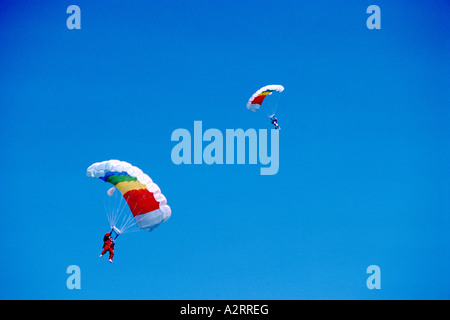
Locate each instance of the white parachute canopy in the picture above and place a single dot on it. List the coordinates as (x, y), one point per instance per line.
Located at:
(147, 205)
(255, 101)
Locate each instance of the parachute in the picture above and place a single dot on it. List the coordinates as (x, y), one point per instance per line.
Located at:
(144, 198)
(258, 97)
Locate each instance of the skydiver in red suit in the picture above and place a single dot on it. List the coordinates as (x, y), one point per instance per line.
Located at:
(108, 245)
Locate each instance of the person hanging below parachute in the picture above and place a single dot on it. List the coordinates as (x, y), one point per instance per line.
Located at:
(256, 100)
(148, 206)
(274, 121)
(108, 245)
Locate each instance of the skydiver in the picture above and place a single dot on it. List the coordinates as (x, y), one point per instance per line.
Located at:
(274, 122)
(108, 245)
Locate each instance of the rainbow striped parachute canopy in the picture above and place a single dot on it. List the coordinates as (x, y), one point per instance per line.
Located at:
(258, 97)
(148, 205)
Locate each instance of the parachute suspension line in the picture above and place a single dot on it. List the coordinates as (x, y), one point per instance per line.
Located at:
(277, 102)
(119, 210)
(118, 215)
(113, 208)
(128, 224)
(109, 212)
(122, 222)
(275, 108)
(131, 221)
(127, 220)
(112, 202)
(108, 215)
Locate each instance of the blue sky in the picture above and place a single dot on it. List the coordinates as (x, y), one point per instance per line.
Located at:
(364, 148)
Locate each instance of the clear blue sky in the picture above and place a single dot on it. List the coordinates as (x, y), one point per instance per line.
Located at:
(364, 149)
